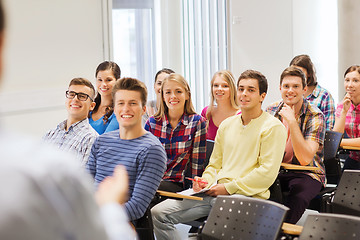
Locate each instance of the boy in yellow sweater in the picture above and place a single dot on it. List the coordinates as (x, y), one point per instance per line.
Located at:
(246, 159)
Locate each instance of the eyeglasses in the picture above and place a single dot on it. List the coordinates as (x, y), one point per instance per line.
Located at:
(80, 96)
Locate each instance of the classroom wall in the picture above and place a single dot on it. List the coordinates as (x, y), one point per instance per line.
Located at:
(261, 39)
(47, 44)
(50, 42)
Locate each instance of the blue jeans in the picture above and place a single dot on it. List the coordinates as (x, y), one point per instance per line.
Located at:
(170, 212)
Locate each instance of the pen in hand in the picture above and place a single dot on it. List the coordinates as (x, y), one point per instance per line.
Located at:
(196, 180)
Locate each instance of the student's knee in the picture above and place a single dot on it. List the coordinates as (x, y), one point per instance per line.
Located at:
(156, 212)
(161, 212)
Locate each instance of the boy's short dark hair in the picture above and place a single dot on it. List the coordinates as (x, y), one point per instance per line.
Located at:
(83, 82)
(131, 84)
(293, 71)
(262, 81)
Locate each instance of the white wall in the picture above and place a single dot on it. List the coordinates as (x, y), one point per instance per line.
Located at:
(261, 39)
(50, 42)
(47, 44)
(349, 38)
(315, 33)
(265, 35)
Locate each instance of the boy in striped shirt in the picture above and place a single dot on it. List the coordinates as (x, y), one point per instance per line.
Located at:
(131, 146)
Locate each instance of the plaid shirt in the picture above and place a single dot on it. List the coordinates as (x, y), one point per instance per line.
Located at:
(78, 139)
(323, 100)
(312, 126)
(352, 125)
(184, 145)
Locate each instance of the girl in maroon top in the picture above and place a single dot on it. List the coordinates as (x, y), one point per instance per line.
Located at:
(223, 102)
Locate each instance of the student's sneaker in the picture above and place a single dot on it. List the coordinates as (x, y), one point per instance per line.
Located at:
(193, 231)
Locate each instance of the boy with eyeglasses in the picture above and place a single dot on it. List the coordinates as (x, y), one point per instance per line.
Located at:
(75, 133)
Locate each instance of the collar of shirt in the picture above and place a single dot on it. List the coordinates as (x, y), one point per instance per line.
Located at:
(316, 92)
(78, 124)
(353, 107)
(184, 120)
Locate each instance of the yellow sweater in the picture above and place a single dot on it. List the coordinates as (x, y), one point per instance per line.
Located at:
(246, 159)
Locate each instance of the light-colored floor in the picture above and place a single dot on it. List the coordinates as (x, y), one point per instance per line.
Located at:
(184, 229)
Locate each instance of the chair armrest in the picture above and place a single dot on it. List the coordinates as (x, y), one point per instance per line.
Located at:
(177, 195)
(291, 229)
(289, 166)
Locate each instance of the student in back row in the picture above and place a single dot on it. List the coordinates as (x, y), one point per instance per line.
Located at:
(181, 131)
(315, 94)
(223, 102)
(102, 117)
(75, 133)
(246, 159)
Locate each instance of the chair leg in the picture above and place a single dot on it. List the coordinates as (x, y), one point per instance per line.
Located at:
(144, 227)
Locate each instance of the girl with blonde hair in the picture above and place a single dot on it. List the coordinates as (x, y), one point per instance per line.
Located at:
(181, 131)
(223, 102)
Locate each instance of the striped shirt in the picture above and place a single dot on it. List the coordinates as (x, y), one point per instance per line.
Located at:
(77, 139)
(352, 125)
(185, 145)
(312, 125)
(145, 162)
(323, 100)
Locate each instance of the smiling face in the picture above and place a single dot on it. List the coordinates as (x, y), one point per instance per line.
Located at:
(220, 89)
(157, 86)
(248, 94)
(352, 86)
(79, 110)
(128, 108)
(292, 90)
(174, 96)
(105, 81)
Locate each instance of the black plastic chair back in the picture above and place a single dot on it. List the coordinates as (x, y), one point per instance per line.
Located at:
(331, 227)
(240, 217)
(209, 149)
(331, 161)
(144, 226)
(276, 193)
(347, 196)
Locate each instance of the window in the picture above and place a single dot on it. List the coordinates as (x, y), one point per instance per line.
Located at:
(205, 45)
(132, 38)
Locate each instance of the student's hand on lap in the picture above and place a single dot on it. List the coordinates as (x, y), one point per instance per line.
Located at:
(113, 189)
(199, 184)
(287, 113)
(218, 189)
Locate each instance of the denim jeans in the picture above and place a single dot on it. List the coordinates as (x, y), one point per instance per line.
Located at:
(170, 212)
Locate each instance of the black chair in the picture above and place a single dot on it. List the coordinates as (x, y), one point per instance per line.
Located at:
(346, 197)
(332, 168)
(331, 227)
(144, 226)
(331, 161)
(240, 217)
